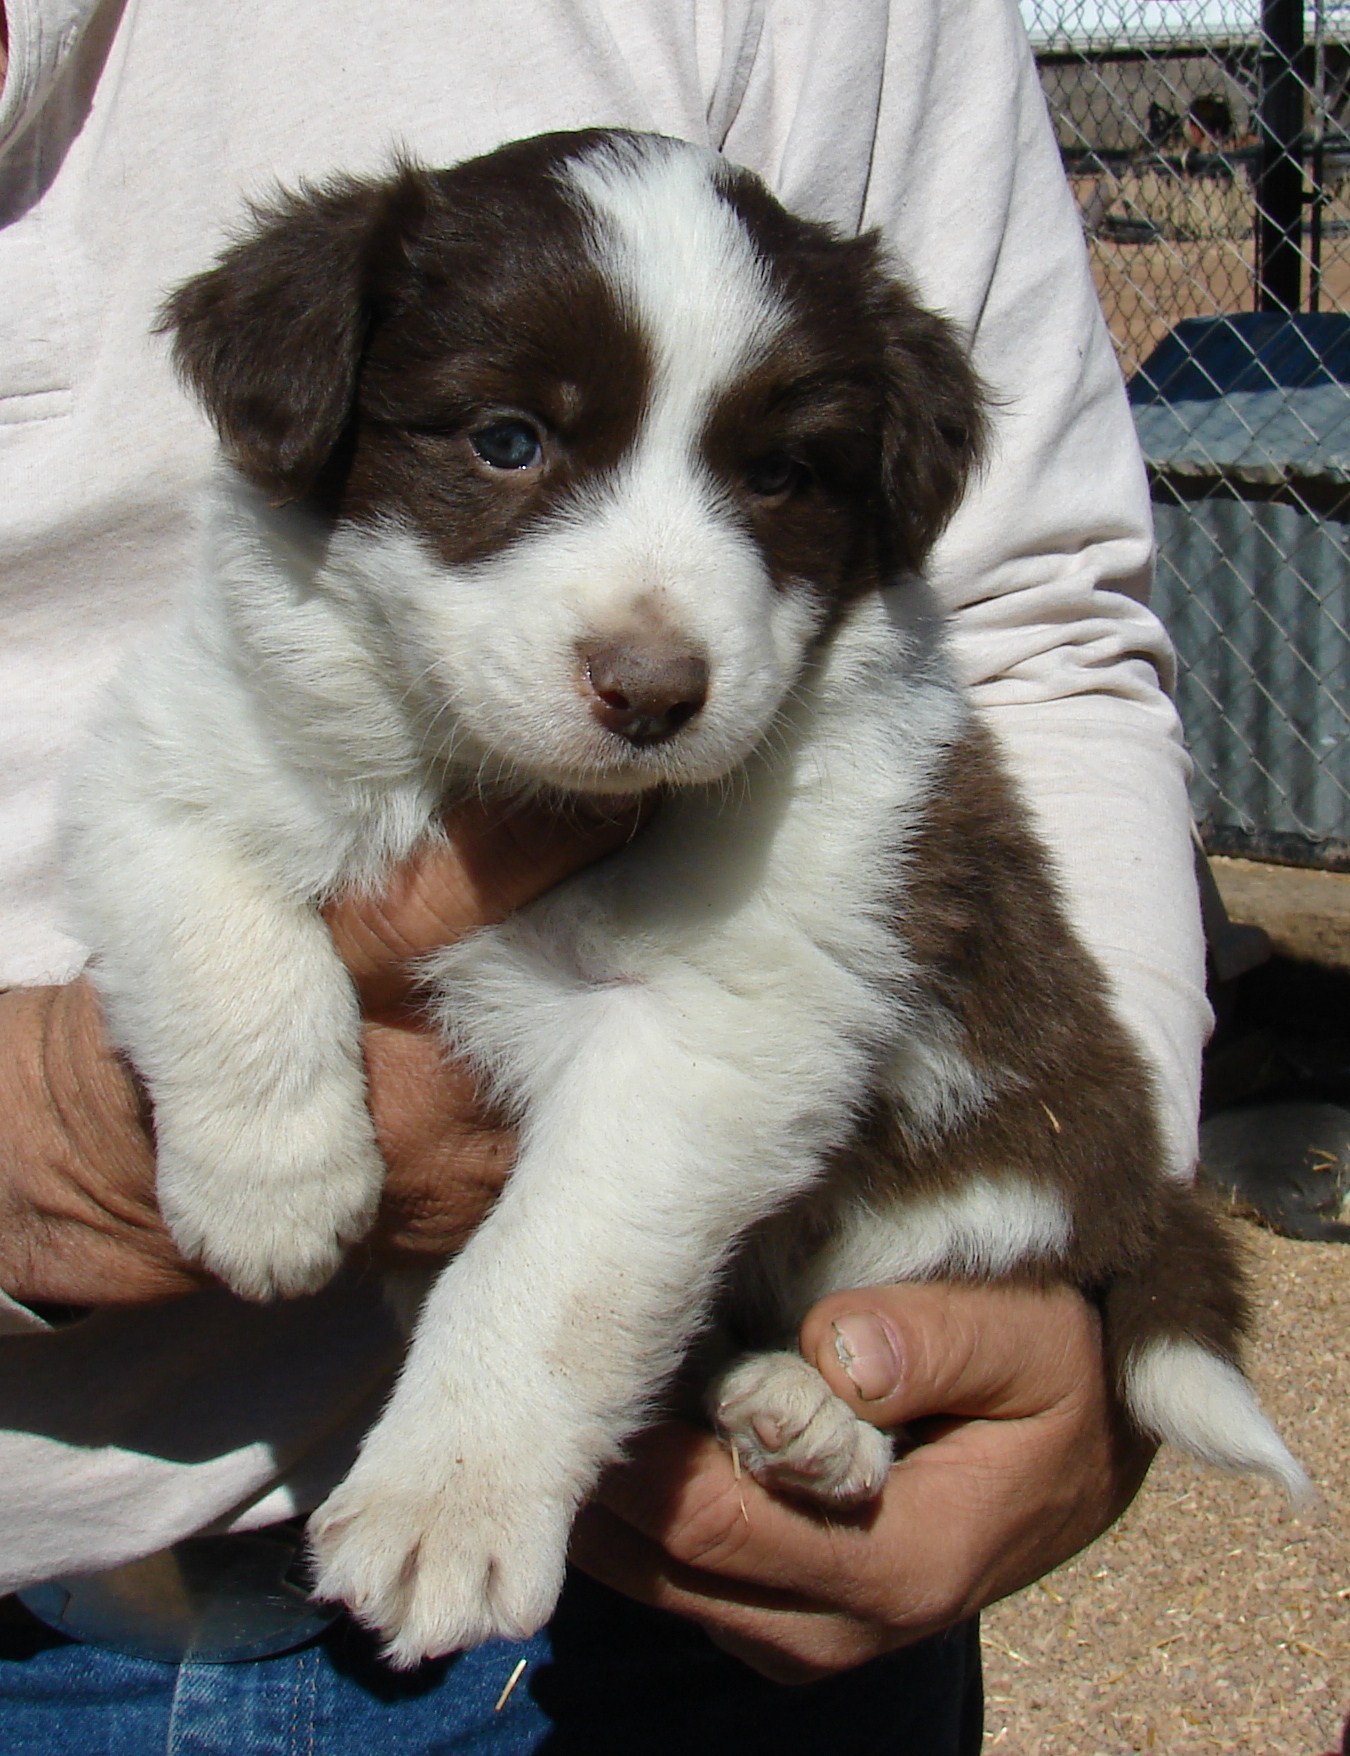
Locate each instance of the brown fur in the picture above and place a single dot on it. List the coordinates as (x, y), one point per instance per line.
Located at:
(1001, 973)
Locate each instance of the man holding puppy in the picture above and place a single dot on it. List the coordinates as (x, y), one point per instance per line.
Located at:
(135, 1422)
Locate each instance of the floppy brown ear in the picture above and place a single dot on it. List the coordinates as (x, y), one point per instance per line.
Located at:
(270, 339)
(934, 423)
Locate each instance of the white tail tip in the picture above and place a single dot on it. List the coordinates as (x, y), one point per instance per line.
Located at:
(1180, 1392)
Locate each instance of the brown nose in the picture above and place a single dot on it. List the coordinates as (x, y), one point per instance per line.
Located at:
(642, 692)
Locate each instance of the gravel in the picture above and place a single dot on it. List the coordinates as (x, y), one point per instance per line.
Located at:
(1210, 1618)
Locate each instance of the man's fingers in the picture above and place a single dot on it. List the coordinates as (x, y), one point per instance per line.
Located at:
(785, 1638)
(741, 1559)
(984, 1509)
(902, 1353)
(1024, 1459)
(494, 858)
(614, 1550)
(682, 1489)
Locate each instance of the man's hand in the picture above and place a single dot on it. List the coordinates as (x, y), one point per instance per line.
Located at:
(446, 1154)
(1023, 1459)
(78, 1220)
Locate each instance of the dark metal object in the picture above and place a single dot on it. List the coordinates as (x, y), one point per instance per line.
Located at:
(1279, 179)
(1274, 848)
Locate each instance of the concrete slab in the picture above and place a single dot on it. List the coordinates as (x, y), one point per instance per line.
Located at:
(1306, 913)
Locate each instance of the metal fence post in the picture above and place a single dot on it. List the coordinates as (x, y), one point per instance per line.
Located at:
(1279, 178)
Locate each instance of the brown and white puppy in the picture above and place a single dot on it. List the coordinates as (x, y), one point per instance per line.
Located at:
(585, 467)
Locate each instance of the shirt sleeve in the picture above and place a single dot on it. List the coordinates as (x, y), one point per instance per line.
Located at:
(927, 122)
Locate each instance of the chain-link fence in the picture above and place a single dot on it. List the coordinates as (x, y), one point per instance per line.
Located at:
(1208, 146)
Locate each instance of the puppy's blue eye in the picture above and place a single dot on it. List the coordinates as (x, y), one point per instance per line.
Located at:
(508, 445)
(775, 475)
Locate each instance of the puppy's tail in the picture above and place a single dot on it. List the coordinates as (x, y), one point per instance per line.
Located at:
(1174, 1328)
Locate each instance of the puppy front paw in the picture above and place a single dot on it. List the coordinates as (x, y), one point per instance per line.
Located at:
(269, 1203)
(442, 1560)
(794, 1434)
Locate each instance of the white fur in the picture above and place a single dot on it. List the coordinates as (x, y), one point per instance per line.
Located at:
(687, 270)
(984, 1230)
(1180, 1392)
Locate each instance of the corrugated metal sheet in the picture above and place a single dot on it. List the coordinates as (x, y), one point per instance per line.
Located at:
(1256, 398)
(1245, 422)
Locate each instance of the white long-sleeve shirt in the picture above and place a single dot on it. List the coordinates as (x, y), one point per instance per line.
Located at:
(131, 136)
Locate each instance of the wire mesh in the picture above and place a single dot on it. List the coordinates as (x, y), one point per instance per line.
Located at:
(1207, 143)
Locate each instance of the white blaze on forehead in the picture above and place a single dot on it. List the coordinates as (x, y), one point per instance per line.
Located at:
(684, 266)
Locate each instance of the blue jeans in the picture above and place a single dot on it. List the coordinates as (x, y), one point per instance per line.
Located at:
(608, 1678)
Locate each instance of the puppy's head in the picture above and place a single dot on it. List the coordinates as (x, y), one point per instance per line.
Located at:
(606, 438)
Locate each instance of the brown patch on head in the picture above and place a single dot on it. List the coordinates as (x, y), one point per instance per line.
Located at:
(794, 445)
(349, 348)
(869, 396)
(502, 312)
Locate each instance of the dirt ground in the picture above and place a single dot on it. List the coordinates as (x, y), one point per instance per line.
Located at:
(1209, 1619)
(1146, 289)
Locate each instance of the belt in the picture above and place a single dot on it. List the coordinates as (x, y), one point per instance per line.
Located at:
(211, 1599)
